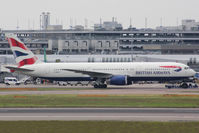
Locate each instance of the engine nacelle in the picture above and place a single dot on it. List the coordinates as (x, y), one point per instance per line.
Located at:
(119, 80)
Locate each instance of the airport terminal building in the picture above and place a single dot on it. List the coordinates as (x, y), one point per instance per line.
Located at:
(107, 38)
(106, 42)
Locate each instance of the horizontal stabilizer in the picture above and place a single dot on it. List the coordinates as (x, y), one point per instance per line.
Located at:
(19, 69)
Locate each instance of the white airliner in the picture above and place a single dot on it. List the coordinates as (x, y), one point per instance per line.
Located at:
(100, 73)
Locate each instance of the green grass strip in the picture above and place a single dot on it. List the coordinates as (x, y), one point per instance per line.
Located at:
(66, 100)
(97, 127)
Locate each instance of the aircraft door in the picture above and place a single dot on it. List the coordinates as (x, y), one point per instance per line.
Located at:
(47, 70)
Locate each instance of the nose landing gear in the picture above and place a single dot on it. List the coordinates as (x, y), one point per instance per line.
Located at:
(184, 85)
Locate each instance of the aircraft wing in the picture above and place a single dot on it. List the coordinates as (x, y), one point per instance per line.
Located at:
(18, 69)
(90, 73)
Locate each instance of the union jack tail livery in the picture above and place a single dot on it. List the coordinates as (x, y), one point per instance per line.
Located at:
(22, 54)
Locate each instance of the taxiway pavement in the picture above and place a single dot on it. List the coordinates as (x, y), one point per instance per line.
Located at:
(123, 114)
(115, 90)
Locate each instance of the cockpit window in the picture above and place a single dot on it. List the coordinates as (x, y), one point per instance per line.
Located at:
(186, 68)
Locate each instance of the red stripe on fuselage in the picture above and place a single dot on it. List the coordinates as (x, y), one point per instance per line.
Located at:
(12, 70)
(15, 43)
(170, 66)
(29, 61)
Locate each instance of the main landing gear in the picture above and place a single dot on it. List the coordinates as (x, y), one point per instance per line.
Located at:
(100, 86)
(100, 83)
(184, 85)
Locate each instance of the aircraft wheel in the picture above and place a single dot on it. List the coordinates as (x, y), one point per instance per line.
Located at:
(104, 86)
(96, 86)
(184, 85)
(100, 86)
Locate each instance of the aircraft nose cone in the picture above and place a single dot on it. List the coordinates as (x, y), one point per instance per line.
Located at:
(193, 72)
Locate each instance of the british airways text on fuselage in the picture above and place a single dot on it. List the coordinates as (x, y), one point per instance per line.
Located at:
(152, 73)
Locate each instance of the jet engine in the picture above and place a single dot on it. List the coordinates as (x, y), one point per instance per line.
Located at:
(120, 80)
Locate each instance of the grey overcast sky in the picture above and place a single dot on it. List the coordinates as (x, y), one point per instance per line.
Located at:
(27, 12)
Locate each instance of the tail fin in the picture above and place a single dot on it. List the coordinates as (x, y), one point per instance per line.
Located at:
(22, 54)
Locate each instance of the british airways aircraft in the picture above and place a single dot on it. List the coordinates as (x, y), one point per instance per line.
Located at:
(101, 74)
